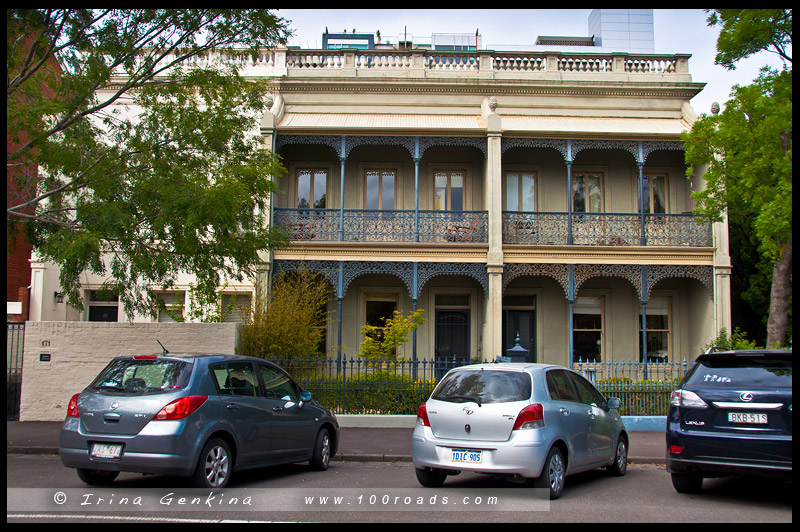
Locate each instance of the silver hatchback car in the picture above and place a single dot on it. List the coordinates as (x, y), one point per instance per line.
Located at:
(518, 420)
(193, 415)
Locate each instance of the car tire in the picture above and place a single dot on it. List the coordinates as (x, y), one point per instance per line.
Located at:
(431, 478)
(620, 465)
(322, 451)
(96, 477)
(553, 474)
(687, 483)
(215, 465)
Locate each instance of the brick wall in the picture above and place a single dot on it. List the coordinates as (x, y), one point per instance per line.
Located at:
(79, 350)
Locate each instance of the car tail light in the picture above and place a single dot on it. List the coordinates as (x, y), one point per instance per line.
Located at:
(180, 408)
(686, 398)
(530, 417)
(422, 416)
(675, 449)
(72, 407)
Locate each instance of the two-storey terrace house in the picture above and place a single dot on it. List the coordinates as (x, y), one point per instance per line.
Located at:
(539, 195)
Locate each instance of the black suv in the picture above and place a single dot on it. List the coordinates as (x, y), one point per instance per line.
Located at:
(732, 413)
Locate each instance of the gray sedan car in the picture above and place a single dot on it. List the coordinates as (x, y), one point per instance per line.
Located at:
(518, 420)
(193, 415)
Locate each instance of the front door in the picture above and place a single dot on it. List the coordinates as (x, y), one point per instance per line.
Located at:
(452, 339)
(520, 323)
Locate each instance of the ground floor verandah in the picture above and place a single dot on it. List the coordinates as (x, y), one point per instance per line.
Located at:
(557, 312)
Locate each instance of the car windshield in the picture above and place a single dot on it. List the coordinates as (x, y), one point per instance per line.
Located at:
(756, 371)
(484, 387)
(138, 376)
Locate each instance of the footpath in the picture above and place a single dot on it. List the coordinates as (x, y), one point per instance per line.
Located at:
(364, 439)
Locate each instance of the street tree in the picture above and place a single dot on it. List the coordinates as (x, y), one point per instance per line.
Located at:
(148, 161)
(747, 148)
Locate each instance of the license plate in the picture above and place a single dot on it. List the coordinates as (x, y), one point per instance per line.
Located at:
(742, 417)
(466, 455)
(106, 450)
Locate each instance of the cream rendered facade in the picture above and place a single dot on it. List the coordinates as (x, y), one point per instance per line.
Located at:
(500, 192)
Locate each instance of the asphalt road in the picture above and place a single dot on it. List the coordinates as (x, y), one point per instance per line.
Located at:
(40, 489)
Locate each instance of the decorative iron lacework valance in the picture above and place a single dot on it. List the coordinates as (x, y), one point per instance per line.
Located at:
(630, 272)
(403, 270)
(570, 148)
(343, 149)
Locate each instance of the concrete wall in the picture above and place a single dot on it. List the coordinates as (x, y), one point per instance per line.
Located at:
(78, 351)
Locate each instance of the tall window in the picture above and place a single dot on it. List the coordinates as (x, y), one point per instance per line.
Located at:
(312, 189)
(587, 329)
(654, 193)
(380, 189)
(658, 330)
(521, 191)
(449, 191)
(587, 192)
(379, 308)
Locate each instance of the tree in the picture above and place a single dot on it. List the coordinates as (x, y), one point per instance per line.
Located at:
(748, 150)
(381, 343)
(148, 153)
(289, 323)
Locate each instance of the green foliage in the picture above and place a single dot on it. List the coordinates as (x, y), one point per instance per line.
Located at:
(378, 391)
(288, 325)
(639, 398)
(381, 343)
(735, 341)
(748, 31)
(149, 164)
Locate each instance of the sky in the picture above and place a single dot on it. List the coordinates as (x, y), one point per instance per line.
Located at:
(676, 31)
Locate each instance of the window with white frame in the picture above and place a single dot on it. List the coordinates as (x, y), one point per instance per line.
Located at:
(587, 329)
(171, 306)
(659, 332)
(587, 192)
(380, 189)
(312, 188)
(520, 191)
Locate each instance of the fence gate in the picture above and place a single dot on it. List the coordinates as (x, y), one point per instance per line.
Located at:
(15, 335)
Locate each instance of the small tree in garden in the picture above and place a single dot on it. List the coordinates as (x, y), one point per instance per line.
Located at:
(381, 343)
(289, 324)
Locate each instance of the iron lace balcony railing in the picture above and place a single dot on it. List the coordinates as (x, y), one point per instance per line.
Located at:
(605, 229)
(360, 225)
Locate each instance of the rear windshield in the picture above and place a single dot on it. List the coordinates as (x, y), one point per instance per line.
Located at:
(131, 376)
(484, 387)
(732, 371)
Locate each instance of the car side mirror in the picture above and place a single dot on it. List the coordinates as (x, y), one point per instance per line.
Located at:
(305, 397)
(614, 403)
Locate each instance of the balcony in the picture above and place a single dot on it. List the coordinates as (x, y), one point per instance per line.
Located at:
(360, 225)
(605, 229)
(525, 228)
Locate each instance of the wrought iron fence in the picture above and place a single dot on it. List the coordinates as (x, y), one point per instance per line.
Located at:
(358, 386)
(15, 335)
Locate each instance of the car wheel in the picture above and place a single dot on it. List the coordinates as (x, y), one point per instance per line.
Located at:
(685, 483)
(553, 472)
(620, 465)
(96, 477)
(322, 451)
(431, 478)
(215, 465)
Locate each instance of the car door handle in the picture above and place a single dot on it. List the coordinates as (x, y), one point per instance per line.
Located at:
(232, 406)
(564, 411)
(277, 409)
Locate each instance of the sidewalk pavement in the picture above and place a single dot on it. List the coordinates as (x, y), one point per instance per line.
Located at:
(366, 444)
